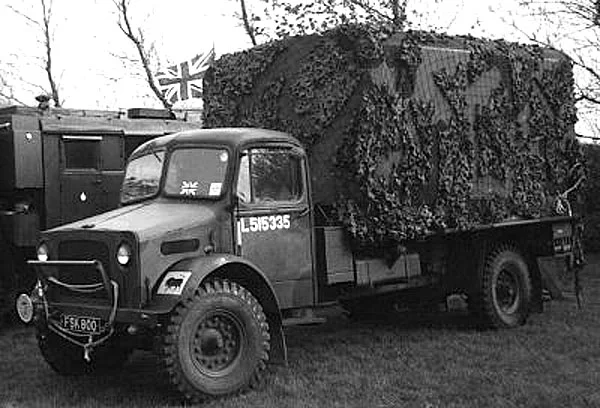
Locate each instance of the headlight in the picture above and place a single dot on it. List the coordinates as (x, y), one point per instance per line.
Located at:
(124, 254)
(42, 252)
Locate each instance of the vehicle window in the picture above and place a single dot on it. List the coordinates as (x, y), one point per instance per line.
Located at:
(142, 177)
(268, 175)
(197, 172)
(82, 154)
(243, 186)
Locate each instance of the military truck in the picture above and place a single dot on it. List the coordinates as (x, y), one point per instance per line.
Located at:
(58, 166)
(217, 243)
(423, 167)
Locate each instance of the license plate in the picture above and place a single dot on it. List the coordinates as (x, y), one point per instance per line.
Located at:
(562, 235)
(81, 324)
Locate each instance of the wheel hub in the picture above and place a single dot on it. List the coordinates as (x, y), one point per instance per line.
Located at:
(507, 291)
(211, 342)
(216, 343)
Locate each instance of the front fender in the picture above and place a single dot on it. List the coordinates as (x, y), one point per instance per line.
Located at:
(234, 268)
(200, 268)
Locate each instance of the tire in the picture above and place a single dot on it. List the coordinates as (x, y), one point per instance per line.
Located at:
(506, 289)
(217, 342)
(66, 358)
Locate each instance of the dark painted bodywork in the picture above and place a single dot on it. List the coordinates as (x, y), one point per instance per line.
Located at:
(285, 268)
(278, 282)
(41, 188)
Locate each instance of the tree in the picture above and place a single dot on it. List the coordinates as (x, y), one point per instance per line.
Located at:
(281, 18)
(44, 25)
(572, 26)
(293, 17)
(247, 21)
(253, 21)
(144, 50)
(7, 94)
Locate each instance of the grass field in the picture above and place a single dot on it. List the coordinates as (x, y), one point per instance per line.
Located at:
(438, 360)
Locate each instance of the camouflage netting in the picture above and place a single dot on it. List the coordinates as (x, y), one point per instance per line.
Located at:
(410, 133)
(592, 198)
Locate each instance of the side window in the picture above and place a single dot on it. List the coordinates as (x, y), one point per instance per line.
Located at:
(243, 184)
(81, 153)
(270, 175)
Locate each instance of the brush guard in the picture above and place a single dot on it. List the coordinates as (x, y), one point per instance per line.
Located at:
(44, 272)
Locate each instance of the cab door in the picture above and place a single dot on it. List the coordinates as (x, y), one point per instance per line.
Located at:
(274, 222)
(84, 190)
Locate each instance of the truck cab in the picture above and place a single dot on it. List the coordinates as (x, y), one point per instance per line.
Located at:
(224, 212)
(215, 243)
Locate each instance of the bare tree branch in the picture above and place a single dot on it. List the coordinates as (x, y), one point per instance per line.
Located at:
(364, 4)
(46, 17)
(576, 31)
(6, 92)
(27, 18)
(139, 43)
(294, 18)
(247, 26)
(44, 25)
(11, 98)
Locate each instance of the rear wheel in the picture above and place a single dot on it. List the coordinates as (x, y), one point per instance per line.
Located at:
(217, 342)
(506, 288)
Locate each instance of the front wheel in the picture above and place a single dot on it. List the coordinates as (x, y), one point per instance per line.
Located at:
(217, 342)
(506, 288)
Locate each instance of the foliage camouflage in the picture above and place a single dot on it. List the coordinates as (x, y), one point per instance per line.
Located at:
(410, 133)
(592, 198)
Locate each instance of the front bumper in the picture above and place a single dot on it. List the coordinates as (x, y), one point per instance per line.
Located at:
(99, 300)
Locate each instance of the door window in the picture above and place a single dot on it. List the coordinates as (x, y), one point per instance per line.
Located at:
(270, 175)
(81, 153)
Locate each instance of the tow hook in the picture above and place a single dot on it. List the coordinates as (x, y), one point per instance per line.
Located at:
(87, 350)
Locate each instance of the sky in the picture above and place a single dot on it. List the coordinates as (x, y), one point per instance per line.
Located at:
(89, 46)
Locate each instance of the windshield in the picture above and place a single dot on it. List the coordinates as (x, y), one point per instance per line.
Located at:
(142, 177)
(196, 173)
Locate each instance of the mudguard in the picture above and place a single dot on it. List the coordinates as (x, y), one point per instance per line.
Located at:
(191, 272)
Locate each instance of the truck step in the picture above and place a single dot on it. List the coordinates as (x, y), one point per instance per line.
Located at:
(303, 321)
(304, 317)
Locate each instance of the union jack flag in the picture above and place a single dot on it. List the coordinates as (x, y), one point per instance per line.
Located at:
(184, 80)
(189, 188)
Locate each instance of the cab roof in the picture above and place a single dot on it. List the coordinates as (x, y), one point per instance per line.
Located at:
(231, 137)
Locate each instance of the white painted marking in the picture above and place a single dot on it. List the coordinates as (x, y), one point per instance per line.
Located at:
(173, 283)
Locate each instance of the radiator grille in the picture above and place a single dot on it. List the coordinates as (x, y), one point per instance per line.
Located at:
(82, 251)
